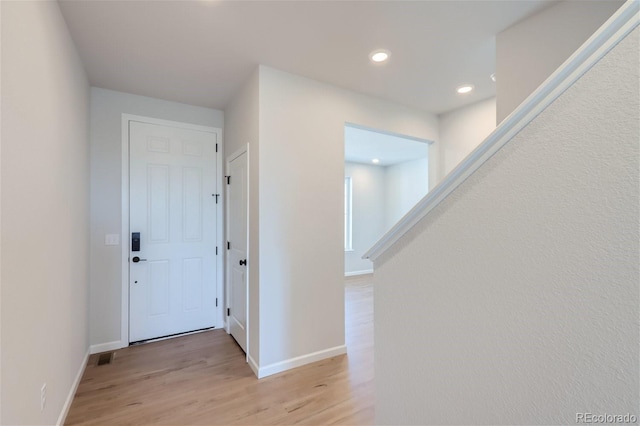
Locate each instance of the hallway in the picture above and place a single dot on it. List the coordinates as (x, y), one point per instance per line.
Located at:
(203, 379)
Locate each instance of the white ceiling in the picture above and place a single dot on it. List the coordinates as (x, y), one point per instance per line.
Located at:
(363, 145)
(199, 52)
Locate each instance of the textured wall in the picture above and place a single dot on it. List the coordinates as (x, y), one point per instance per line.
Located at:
(530, 51)
(516, 300)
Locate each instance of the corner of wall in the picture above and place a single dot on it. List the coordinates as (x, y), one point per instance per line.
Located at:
(462, 130)
(72, 391)
(242, 118)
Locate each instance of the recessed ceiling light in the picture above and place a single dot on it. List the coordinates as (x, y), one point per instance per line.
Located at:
(375, 160)
(379, 56)
(465, 88)
(493, 77)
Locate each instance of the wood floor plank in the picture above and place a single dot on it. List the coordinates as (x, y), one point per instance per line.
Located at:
(203, 379)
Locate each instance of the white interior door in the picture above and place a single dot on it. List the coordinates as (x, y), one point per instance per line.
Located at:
(237, 188)
(172, 278)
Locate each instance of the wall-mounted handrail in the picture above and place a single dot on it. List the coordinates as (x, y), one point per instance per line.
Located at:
(604, 39)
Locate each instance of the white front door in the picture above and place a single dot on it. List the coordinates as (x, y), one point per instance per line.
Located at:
(172, 278)
(237, 186)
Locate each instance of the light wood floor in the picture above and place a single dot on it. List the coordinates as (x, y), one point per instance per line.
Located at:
(203, 379)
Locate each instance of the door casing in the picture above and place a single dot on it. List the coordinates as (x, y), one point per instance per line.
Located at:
(124, 232)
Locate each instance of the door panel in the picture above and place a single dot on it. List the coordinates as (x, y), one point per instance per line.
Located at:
(158, 287)
(172, 289)
(192, 203)
(192, 283)
(158, 202)
(237, 254)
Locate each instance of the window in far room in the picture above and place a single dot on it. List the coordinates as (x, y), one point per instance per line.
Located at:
(348, 214)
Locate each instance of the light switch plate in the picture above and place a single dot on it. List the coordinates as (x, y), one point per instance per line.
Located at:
(111, 239)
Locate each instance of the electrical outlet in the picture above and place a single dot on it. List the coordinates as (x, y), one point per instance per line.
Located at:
(43, 396)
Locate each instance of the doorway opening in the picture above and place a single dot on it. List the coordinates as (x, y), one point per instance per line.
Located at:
(386, 174)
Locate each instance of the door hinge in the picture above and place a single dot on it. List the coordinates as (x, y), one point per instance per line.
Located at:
(216, 255)
(216, 302)
(228, 245)
(228, 180)
(216, 195)
(228, 312)
(216, 147)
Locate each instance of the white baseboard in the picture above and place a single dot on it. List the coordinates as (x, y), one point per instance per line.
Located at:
(106, 347)
(254, 365)
(354, 273)
(290, 363)
(72, 391)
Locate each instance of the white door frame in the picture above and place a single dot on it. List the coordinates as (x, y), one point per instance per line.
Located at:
(227, 286)
(126, 118)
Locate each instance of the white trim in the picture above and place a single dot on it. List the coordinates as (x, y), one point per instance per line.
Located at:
(290, 363)
(124, 232)
(388, 133)
(124, 306)
(106, 347)
(248, 234)
(1, 225)
(220, 232)
(355, 273)
(253, 365)
(603, 40)
(72, 392)
(348, 213)
(238, 153)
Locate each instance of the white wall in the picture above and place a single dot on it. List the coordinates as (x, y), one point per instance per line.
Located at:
(516, 300)
(241, 127)
(0, 213)
(368, 213)
(45, 212)
(530, 51)
(462, 130)
(381, 196)
(406, 184)
(301, 207)
(107, 108)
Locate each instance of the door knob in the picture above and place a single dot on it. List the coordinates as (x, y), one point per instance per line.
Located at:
(136, 259)
(243, 262)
